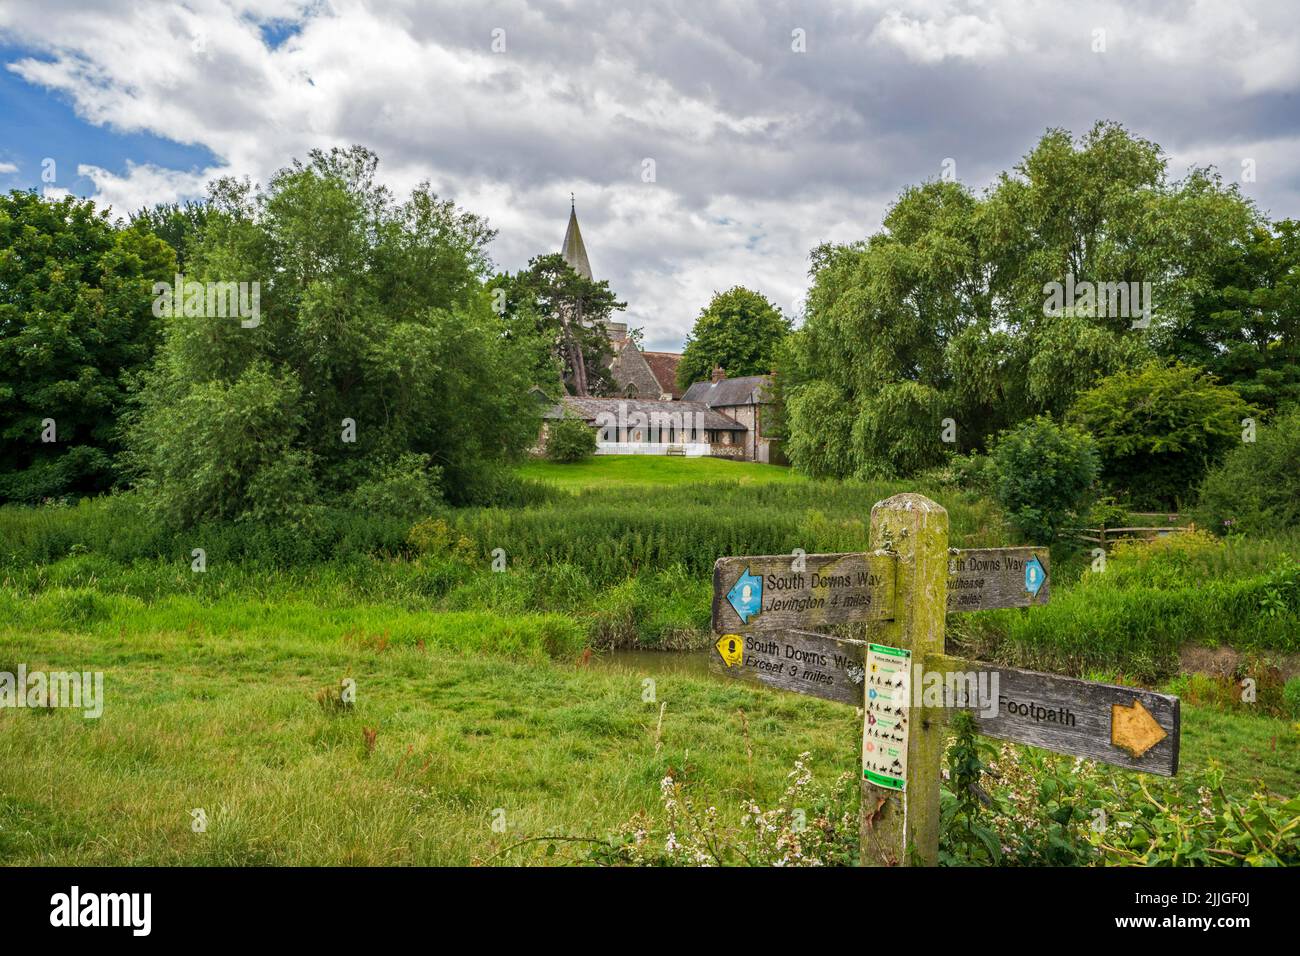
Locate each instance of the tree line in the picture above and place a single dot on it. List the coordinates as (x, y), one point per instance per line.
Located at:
(378, 374)
(948, 328)
(388, 367)
(391, 366)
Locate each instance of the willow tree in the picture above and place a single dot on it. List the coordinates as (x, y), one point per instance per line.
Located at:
(938, 331)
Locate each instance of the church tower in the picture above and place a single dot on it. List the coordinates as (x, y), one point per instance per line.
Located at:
(637, 374)
(574, 252)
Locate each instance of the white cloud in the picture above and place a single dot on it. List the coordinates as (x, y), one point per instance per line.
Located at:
(145, 185)
(761, 153)
(7, 168)
(932, 40)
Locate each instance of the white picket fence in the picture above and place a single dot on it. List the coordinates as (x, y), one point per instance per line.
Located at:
(686, 449)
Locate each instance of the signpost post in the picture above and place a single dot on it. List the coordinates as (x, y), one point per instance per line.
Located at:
(899, 824)
(764, 608)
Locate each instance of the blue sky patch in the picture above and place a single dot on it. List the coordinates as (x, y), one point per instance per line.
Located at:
(36, 123)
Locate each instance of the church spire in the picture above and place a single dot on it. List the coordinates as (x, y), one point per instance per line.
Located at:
(574, 252)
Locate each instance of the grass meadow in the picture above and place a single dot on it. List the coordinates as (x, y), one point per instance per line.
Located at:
(478, 700)
(658, 471)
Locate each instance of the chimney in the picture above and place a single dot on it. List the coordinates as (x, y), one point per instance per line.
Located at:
(718, 373)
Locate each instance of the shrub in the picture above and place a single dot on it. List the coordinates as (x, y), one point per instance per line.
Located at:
(1256, 489)
(1045, 473)
(407, 486)
(232, 432)
(1107, 513)
(1159, 428)
(433, 537)
(1045, 809)
(570, 439)
(1291, 697)
(974, 473)
(500, 487)
(361, 352)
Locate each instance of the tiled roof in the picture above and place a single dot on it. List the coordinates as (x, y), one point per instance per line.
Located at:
(664, 366)
(747, 390)
(589, 408)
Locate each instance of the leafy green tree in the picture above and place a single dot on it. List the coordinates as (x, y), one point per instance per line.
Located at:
(1244, 326)
(179, 225)
(1159, 428)
(1044, 476)
(881, 319)
(562, 316)
(76, 323)
(738, 330)
(821, 424)
(377, 362)
(570, 439)
(1256, 488)
(954, 295)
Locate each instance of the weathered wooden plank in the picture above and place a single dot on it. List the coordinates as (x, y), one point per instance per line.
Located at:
(1124, 726)
(805, 663)
(785, 592)
(902, 827)
(983, 578)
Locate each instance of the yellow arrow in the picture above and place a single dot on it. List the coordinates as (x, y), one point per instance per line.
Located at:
(731, 647)
(1134, 729)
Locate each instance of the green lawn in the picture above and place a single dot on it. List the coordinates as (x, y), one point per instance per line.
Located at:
(470, 680)
(229, 722)
(216, 708)
(606, 470)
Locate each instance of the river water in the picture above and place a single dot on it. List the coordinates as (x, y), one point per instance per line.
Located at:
(638, 661)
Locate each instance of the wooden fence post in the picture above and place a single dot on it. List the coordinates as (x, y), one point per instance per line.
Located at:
(902, 827)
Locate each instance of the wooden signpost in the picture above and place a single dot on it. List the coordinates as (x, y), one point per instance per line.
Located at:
(986, 578)
(766, 607)
(800, 661)
(1125, 726)
(802, 591)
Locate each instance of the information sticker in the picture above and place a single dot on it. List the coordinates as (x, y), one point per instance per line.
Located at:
(884, 732)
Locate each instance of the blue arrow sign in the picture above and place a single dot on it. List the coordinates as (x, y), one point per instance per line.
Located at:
(1034, 576)
(746, 596)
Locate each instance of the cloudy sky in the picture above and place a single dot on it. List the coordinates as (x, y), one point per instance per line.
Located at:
(760, 149)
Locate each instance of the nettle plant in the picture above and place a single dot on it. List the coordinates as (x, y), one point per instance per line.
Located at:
(1046, 810)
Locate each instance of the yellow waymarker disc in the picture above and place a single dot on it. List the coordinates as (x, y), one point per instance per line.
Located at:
(731, 647)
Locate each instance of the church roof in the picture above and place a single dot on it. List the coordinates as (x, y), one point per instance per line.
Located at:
(664, 366)
(748, 390)
(631, 369)
(574, 252)
(589, 408)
